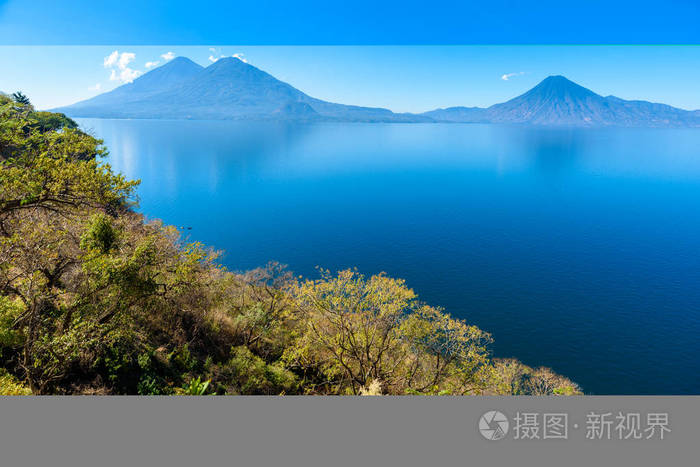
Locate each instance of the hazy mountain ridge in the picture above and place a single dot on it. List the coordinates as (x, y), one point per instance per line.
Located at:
(458, 114)
(156, 81)
(233, 89)
(557, 101)
(226, 89)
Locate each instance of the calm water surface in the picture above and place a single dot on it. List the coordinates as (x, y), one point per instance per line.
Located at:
(577, 249)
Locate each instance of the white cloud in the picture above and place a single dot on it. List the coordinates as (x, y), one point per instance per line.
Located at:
(239, 56)
(96, 87)
(111, 59)
(214, 52)
(151, 64)
(119, 63)
(124, 59)
(126, 75)
(216, 55)
(167, 56)
(508, 76)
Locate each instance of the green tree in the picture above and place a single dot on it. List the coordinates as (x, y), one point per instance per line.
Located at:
(50, 180)
(359, 331)
(20, 98)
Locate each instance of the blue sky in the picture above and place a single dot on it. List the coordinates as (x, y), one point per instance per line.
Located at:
(388, 22)
(401, 78)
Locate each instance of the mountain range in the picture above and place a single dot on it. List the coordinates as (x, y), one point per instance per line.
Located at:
(233, 89)
(559, 101)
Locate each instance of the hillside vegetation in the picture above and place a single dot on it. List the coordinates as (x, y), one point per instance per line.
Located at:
(95, 300)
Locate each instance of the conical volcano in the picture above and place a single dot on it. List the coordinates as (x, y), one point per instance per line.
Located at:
(554, 101)
(558, 101)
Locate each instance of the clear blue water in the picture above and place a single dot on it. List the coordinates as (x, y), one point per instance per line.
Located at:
(577, 249)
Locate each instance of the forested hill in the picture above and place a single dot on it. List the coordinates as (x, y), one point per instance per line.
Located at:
(94, 300)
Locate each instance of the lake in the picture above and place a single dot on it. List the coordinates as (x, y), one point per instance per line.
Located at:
(578, 249)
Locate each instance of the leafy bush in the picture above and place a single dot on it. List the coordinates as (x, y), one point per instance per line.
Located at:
(10, 338)
(150, 383)
(10, 386)
(511, 377)
(355, 330)
(196, 387)
(100, 235)
(246, 373)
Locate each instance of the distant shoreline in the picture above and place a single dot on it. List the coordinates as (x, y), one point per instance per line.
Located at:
(434, 122)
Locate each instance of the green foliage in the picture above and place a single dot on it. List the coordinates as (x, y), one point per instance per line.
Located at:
(183, 360)
(49, 163)
(20, 98)
(117, 362)
(100, 235)
(196, 387)
(10, 338)
(246, 373)
(152, 382)
(357, 330)
(49, 121)
(10, 386)
(511, 377)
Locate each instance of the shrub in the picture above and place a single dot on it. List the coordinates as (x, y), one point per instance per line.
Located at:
(196, 387)
(10, 386)
(10, 338)
(246, 373)
(354, 330)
